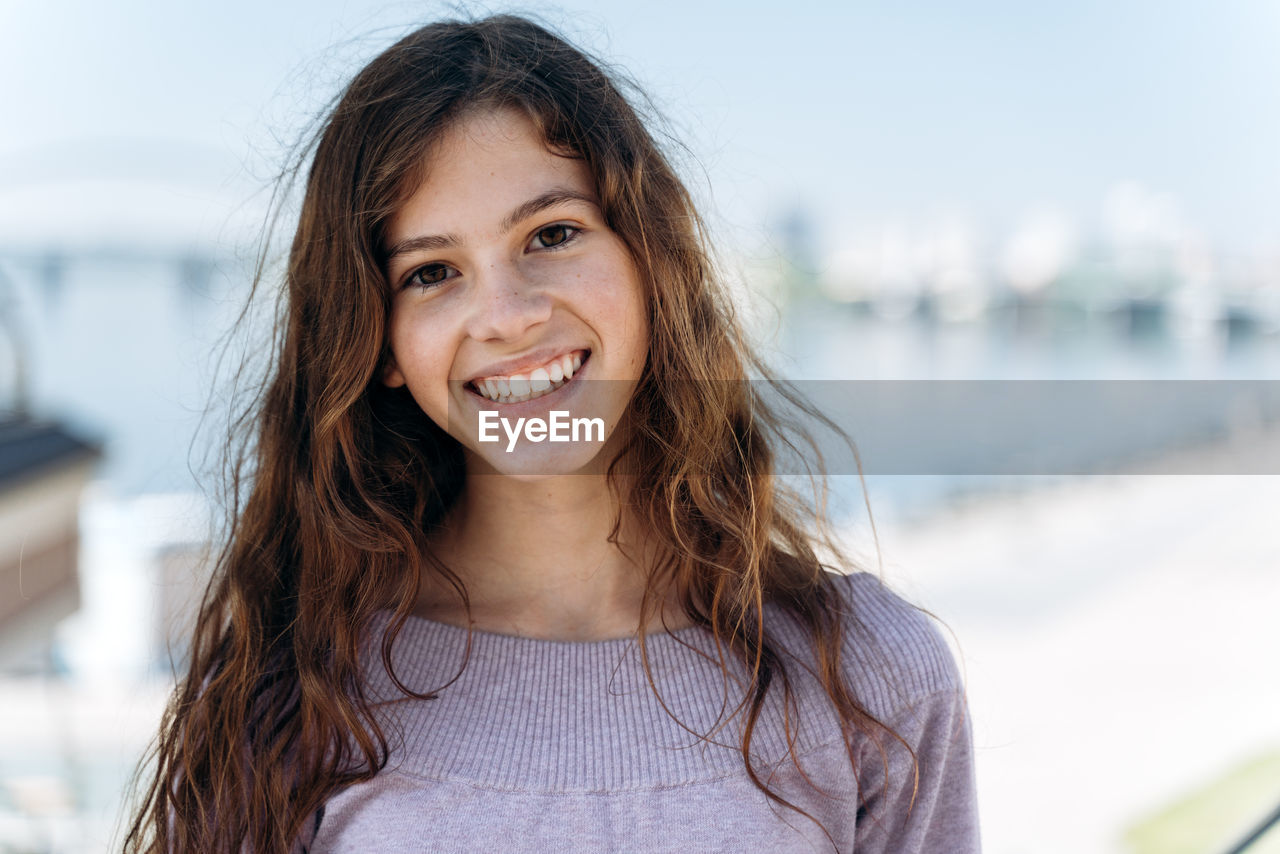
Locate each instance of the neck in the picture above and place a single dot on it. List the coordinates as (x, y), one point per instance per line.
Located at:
(537, 561)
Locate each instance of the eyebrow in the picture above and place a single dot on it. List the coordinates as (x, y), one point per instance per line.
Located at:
(522, 211)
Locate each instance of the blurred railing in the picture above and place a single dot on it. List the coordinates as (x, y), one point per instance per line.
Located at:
(1257, 833)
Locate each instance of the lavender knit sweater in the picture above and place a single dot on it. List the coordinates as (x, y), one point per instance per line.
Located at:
(546, 746)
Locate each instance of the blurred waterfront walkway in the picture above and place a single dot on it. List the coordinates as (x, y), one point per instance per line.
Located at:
(1120, 635)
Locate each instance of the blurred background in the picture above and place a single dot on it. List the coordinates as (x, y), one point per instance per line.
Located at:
(901, 192)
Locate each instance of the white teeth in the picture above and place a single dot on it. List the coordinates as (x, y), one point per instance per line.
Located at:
(518, 387)
(489, 390)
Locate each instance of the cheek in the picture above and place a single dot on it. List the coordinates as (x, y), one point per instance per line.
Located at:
(634, 323)
(422, 361)
(623, 306)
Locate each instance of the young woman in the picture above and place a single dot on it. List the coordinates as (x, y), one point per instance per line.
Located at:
(420, 638)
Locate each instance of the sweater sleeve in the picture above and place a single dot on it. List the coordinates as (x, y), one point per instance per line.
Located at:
(910, 682)
(934, 810)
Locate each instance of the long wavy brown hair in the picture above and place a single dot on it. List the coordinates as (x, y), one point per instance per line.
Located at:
(343, 479)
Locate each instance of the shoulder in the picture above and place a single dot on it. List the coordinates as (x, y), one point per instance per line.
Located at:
(895, 654)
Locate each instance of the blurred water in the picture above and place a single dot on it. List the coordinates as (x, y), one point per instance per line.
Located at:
(822, 342)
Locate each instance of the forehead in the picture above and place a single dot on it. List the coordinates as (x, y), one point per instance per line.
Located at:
(482, 167)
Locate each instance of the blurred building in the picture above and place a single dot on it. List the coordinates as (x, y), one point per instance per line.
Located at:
(43, 470)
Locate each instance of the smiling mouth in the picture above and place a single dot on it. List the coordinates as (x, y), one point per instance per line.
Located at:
(539, 382)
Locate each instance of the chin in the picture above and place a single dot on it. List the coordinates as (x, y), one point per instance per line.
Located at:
(533, 464)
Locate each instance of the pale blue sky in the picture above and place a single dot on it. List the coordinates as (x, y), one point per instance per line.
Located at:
(859, 111)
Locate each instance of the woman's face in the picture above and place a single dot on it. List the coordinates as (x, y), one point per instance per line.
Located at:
(513, 300)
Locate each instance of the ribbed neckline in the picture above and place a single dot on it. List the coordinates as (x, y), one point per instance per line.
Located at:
(579, 716)
(457, 634)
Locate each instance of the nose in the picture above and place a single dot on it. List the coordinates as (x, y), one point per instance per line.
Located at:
(507, 303)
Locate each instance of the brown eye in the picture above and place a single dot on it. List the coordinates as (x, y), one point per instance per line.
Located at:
(554, 235)
(430, 275)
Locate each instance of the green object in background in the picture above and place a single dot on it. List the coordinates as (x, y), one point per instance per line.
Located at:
(1216, 817)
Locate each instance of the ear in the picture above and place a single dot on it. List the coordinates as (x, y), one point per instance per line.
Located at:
(391, 375)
